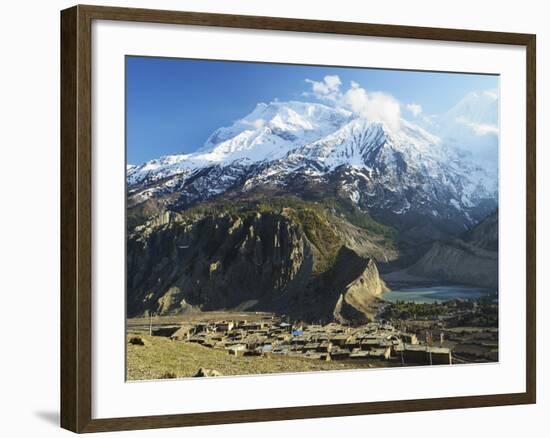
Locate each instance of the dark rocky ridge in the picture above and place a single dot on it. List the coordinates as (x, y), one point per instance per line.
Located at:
(285, 261)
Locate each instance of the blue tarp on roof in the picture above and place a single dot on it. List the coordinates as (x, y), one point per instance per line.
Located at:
(297, 332)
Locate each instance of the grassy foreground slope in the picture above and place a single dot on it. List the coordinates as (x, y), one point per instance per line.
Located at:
(162, 358)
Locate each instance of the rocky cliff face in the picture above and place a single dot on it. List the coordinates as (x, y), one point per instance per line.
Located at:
(290, 261)
(214, 262)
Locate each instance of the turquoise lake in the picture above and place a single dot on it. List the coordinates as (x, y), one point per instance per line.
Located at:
(435, 294)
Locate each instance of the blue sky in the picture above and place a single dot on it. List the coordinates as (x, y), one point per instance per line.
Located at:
(173, 105)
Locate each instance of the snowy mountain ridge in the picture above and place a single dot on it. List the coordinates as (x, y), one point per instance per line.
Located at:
(267, 133)
(290, 145)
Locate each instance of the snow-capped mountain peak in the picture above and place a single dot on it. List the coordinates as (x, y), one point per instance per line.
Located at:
(471, 125)
(389, 169)
(271, 130)
(268, 133)
(357, 141)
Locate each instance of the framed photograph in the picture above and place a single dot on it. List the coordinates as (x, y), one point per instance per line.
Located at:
(268, 218)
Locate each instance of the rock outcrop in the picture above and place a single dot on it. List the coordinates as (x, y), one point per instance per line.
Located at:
(213, 262)
(357, 300)
(292, 262)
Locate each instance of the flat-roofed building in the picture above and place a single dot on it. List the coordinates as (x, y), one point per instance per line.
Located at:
(409, 338)
(339, 339)
(339, 354)
(324, 347)
(369, 343)
(359, 354)
(425, 355)
(224, 326)
(380, 353)
(183, 333)
(352, 343)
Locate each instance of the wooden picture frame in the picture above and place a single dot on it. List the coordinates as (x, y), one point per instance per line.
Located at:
(76, 217)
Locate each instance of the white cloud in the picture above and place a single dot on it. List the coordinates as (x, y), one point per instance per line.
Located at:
(471, 124)
(414, 108)
(493, 94)
(327, 89)
(382, 107)
(333, 82)
(484, 129)
(478, 128)
(374, 106)
(377, 106)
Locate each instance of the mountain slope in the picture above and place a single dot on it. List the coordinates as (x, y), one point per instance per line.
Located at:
(293, 207)
(390, 173)
(396, 174)
(470, 260)
(260, 257)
